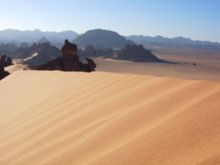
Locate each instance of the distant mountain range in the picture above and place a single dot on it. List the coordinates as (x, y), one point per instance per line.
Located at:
(100, 39)
(173, 42)
(17, 36)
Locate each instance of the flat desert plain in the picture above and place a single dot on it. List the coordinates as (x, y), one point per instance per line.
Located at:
(187, 63)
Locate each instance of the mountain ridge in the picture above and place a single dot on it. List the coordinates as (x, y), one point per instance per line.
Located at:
(19, 36)
(173, 42)
(14, 35)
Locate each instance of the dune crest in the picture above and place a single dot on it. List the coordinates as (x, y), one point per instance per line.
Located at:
(106, 118)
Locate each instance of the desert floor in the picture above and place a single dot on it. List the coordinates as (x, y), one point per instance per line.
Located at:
(108, 118)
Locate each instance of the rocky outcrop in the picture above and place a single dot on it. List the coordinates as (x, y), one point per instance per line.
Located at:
(3, 73)
(129, 52)
(39, 54)
(91, 51)
(135, 53)
(69, 61)
(4, 62)
(8, 48)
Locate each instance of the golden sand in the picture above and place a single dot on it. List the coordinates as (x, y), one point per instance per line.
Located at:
(103, 118)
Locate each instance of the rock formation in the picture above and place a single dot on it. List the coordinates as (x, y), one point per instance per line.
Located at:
(135, 53)
(8, 48)
(4, 61)
(129, 52)
(3, 73)
(91, 51)
(69, 61)
(39, 54)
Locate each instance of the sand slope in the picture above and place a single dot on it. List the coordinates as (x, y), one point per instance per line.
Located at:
(104, 118)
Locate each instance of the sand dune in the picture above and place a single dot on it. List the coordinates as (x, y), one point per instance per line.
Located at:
(16, 67)
(108, 119)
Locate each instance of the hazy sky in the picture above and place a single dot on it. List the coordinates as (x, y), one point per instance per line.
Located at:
(198, 19)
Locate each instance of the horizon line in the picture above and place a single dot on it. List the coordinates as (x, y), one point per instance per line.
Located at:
(144, 35)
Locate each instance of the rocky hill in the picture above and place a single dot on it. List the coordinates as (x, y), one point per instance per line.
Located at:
(102, 39)
(135, 53)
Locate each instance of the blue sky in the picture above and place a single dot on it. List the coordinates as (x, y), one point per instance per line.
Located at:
(197, 19)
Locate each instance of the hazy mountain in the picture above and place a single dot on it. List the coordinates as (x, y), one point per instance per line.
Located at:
(174, 42)
(43, 40)
(11, 35)
(102, 39)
